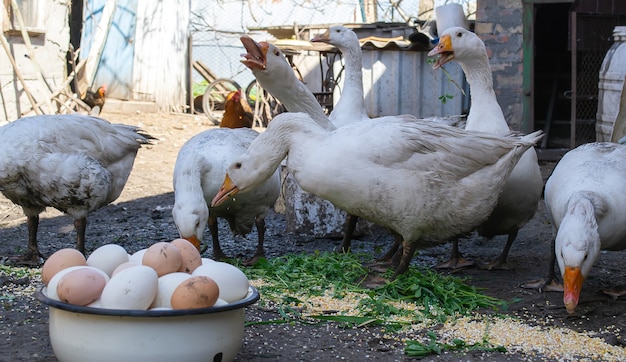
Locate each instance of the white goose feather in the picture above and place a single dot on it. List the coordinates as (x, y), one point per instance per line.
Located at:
(585, 198)
(198, 174)
(73, 163)
(425, 181)
(275, 75)
(520, 196)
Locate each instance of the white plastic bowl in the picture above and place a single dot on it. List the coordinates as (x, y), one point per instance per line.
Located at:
(95, 334)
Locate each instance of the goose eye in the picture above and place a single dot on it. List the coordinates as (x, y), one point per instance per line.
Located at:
(586, 256)
(276, 52)
(238, 165)
(459, 34)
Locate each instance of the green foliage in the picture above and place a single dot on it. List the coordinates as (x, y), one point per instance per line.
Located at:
(19, 272)
(288, 281)
(418, 349)
(289, 277)
(444, 98)
(198, 89)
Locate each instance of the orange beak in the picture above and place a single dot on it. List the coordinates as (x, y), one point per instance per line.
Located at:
(444, 48)
(324, 38)
(256, 55)
(227, 191)
(572, 284)
(194, 240)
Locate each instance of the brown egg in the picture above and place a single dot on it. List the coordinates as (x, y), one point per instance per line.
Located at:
(163, 257)
(81, 286)
(196, 292)
(60, 260)
(190, 254)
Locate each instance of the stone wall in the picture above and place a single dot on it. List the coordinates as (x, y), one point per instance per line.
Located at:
(499, 25)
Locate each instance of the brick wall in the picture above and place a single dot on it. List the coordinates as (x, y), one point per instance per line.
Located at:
(499, 25)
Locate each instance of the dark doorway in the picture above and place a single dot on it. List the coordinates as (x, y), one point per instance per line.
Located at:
(570, 41)
(552, 80)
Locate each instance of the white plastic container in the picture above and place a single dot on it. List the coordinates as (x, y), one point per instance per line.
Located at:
(450, 15)
(94, 334)
(610, 89)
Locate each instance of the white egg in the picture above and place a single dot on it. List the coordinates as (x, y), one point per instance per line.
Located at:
(220, 303)
(166, 286)
(232, 282)
(51, 290)
(132, 288)
(108, 257)
(137, 256)
(128, 264)
(207, 261)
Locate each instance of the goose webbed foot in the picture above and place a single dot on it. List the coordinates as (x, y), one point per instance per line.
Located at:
(255, 258)
(548, 284)
(374, 281)
(31, 259)
(500, 262)
(380, 266)
(218, 255)
(615, 294)
(455, 263)
(496, 264)
(456, 260)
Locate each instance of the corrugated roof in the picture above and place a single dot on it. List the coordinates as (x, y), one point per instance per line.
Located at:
(370, 42)
(383, 36)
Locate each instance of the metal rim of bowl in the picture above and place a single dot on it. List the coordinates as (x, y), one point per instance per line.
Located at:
(251, 297)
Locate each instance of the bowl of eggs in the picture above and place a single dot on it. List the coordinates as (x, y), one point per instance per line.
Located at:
(163, 303)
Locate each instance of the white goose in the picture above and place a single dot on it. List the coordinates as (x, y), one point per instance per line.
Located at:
(521, 194)
(585, 198)
(351, 105)
(425, 181)
(275, 75)
(198, 174)
(73, 163)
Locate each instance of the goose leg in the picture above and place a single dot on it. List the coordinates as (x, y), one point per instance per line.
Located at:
(548, 283)
(456, 260)
(500, 261)
(260, 250)
(347, 236)
(218, 254)
(408, 249)
(397, 242)
(81, 226)
(383, 263)
(32, 256)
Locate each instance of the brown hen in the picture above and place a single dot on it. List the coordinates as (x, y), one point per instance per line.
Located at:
(237, 111)
(96, 99)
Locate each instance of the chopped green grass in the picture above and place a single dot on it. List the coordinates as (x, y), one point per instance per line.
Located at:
(418, 349)
(289, 282)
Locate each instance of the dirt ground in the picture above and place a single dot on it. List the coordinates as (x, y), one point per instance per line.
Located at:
(142, 216)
